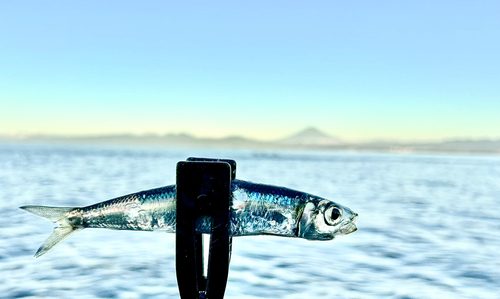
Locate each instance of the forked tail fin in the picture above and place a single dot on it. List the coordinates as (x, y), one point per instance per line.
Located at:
(59, 234)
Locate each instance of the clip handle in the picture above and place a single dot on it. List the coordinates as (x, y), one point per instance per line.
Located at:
(203, 190)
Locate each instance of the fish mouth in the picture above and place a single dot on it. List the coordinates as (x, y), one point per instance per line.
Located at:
(350, 226)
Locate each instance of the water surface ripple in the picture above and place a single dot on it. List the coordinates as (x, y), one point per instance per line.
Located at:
(429, 226)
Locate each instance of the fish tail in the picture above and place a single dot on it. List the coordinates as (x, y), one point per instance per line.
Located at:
(59, 234)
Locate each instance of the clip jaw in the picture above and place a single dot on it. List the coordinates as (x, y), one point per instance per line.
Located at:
(203, 190)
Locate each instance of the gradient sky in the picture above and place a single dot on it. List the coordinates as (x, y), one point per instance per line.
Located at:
(358, 70)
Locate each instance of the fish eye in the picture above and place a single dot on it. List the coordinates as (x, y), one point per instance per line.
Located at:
(333, 215)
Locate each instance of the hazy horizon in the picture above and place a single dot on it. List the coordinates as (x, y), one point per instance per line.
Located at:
(307, 139)
(158, 134)
(197, 136)
(358, 71)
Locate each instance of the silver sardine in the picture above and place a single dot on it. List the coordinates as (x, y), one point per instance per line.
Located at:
(257, 209)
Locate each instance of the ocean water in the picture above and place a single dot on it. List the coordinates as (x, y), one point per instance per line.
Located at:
(429, 226)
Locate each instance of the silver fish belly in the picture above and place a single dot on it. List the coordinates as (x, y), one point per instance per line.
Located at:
(257, 209)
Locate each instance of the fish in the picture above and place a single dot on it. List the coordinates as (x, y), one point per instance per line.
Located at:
(257, 209)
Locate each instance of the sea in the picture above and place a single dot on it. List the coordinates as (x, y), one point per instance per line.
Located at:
(428, 227)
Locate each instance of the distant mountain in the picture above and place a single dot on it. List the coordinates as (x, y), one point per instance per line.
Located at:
(148, 140)
(308, 139)
(118, 140)
(310, 136)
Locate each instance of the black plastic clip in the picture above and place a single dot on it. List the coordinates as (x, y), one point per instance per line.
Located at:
(203, 196)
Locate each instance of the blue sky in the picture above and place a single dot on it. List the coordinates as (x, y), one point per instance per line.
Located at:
(358, 70)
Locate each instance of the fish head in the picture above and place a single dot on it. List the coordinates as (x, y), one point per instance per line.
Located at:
(322, 219)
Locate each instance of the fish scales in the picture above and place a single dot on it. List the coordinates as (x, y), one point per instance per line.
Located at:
(146, 210)
(256, 209)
